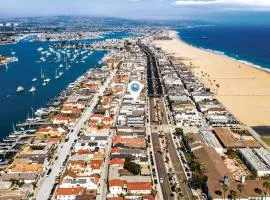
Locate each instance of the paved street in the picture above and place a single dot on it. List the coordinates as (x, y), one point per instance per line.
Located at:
(102, 189)
(161, 168)
(48, 182)
(179, 171)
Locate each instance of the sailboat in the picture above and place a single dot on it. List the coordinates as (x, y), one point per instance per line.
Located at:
(20, 89)
(47, 80)
(40, 49)
(60, 74)
(33, 89)
(12, 52)
(56, 74)
(41, 74)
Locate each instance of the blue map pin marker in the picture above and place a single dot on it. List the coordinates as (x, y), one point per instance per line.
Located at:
(135, 89)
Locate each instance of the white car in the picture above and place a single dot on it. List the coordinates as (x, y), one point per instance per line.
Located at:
(161, 180)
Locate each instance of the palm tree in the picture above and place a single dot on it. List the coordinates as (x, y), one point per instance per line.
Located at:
(240, 188)
(258, 191)
(180, 196)
(225, 188)
(218, 192)
(233, 194)
(266, 185)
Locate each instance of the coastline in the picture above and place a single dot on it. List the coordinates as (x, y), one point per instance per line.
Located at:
(244, 89)
(221, 53)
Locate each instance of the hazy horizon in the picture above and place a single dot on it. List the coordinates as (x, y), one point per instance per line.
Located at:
(242, 11)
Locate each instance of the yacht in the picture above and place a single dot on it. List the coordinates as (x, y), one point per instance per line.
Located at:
(42, 112)
(33, 89)
(20, 89)
(34, 79)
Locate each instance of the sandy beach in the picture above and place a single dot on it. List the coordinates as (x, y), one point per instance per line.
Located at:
(244, 90)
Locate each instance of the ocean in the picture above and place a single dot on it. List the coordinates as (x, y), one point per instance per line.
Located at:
(15, 107)
(248, 44)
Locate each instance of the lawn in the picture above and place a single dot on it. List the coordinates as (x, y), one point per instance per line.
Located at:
(266, 139)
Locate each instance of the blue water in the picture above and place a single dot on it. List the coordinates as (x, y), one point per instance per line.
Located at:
(249, 44)
(16, 106)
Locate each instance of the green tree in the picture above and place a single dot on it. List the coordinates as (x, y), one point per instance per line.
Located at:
(266, 186)
(258, 191)
(132, 167)
(233, 194)
(240, 188)
(225, 189)
(178, 131)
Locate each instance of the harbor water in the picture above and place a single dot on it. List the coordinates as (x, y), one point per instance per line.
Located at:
(17, 106)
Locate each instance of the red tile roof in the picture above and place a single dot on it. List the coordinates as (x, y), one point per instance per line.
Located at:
(117, 161)
(139, 186)
(83, 151)
(149, 197)
(69, 191)
(117, 182)
(132, 142)
(53, 139)
(115, 198)
(115, 150)
(96, 164)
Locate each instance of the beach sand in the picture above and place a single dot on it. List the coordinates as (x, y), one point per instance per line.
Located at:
(244, 90)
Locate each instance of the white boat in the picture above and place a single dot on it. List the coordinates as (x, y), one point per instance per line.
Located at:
(40, 49)
(20, 89)
(47, 80)
(33, 89)
(56, 74)
(41, 73)
(60, 73)
(42, 112)
(34, 79)
(43, 59)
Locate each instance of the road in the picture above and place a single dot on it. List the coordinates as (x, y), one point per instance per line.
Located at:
(178, 169)
(48, 182)
(103, 187)
(160, 165)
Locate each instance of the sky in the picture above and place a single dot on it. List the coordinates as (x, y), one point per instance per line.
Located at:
(240, 10)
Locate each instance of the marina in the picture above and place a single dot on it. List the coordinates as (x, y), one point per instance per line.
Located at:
(48, 77)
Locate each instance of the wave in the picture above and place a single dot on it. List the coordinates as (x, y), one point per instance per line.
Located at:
(236, 58)
(252, 64)
(214, 51)
(198, 26)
